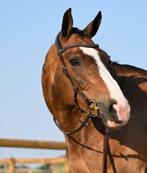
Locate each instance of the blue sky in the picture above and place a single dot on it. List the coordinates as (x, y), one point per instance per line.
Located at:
(27, 29)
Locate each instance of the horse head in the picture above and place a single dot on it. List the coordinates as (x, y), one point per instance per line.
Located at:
(77, 73)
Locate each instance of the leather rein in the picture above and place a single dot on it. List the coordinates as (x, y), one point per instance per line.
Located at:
(89, 113)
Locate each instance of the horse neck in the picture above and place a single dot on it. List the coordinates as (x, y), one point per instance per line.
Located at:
(88, 136)
(85, 147)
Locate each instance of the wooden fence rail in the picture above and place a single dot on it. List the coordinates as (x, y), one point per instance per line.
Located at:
(33, 144)
(34, 160)
(11, 162)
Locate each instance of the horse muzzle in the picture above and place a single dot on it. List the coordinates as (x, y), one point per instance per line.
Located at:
(109, 115)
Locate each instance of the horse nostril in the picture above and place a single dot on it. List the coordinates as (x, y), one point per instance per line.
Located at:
(111, 103)
(113, 113)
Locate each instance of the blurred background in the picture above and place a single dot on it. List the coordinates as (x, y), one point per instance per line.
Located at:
(27, 30)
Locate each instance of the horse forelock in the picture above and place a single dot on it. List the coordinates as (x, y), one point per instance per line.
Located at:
(75, 30)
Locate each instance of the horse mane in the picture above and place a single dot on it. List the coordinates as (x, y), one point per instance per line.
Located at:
(131, 70)
(134, 68)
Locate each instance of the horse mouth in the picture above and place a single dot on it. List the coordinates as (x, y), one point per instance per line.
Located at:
(115, 124)
(110, 123)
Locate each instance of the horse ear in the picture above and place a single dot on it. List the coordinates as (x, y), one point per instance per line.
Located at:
(93, 26)
(67, 23)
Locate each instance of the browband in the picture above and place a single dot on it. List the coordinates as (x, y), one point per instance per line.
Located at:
(61, 49)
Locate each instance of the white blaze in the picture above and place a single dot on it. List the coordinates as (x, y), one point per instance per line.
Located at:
(122, 107)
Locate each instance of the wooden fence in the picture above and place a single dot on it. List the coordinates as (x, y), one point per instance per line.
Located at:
(11, 162)
(33, 144)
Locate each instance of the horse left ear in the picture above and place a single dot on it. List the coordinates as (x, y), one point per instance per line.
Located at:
(67, 23)
(93, 26)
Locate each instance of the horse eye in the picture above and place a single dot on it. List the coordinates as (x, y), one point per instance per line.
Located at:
(74, 62)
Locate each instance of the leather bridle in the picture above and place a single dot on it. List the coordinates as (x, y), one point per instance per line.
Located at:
(76, 89)
(92, 106)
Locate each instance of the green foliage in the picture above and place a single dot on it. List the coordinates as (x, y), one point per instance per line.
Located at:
(58, 168)
(45, 167)
(2, 166)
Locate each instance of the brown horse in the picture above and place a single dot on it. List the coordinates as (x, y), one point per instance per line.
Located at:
(87, 93)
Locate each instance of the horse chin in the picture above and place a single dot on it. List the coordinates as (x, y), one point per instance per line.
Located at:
(114, 125)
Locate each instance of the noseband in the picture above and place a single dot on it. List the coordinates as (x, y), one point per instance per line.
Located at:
(92, 106)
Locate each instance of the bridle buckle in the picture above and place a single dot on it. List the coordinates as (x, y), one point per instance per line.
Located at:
(93, 108)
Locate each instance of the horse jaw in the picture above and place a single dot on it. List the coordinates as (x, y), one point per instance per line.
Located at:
(122, 107)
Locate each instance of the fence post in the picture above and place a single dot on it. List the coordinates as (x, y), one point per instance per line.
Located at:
(53, 168)
(66, 167)
(11, 166)
(30, 170)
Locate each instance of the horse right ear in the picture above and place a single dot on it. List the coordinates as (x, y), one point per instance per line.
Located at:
(67, 23)
(93, 26)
